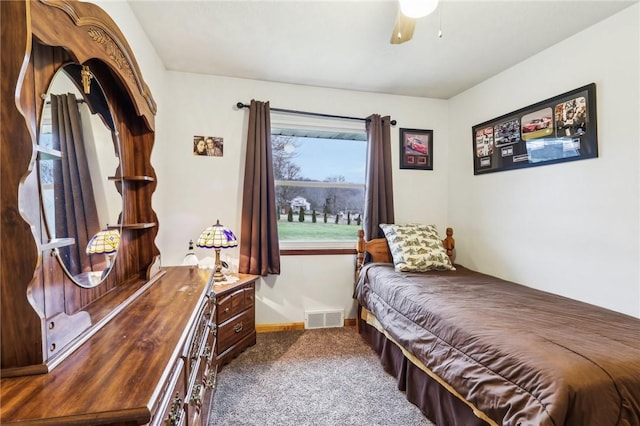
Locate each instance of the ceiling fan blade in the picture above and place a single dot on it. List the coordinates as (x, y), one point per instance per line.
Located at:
(402, 29)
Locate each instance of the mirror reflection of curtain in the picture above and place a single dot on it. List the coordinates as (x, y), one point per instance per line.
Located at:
(378, 198)
(259, 247)
(76, 213)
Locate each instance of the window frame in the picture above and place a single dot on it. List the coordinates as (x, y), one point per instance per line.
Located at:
(287, 121)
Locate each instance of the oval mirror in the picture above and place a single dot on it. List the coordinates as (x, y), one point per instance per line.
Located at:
(78, 150)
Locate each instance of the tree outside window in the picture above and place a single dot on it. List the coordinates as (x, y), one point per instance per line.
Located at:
(319, 178)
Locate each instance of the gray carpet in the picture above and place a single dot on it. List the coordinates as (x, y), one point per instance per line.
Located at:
(321, 377)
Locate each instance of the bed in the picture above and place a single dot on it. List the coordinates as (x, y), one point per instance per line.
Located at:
(471, 349)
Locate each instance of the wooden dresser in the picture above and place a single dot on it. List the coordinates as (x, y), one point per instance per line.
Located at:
(235, 317)
(153, 363)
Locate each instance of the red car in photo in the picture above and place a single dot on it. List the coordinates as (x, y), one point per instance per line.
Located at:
(417, 145)
(536, 124)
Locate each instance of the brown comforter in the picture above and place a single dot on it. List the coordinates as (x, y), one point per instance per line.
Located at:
(520, 355)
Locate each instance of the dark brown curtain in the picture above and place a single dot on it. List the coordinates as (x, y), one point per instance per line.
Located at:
(259, 249)
(76, 214)
(378, 198)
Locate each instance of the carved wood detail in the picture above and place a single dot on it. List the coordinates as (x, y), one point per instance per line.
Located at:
(112, 50)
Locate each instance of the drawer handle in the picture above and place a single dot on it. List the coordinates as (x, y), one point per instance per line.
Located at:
(210, 383)
(207, 352)
(238, 327)
(226, 309)
(176, 411)
(196, 396)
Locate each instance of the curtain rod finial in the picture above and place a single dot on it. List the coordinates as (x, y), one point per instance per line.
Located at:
(240, 105)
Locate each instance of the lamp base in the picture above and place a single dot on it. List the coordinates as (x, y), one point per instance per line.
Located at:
(218, 276)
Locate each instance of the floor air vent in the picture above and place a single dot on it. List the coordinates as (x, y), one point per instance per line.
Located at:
(324, 319)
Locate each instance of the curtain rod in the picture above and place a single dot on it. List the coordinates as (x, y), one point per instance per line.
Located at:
(78, 101)
(241, 105)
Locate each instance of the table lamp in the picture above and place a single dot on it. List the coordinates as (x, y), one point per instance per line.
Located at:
(105, 242)
(217, 237)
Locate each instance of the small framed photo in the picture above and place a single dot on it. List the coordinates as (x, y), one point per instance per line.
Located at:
(211, 146)
(416, 149)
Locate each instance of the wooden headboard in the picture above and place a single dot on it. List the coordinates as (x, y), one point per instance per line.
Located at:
(378, 249)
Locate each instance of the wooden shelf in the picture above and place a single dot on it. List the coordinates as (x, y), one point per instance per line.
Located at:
(141, 225)
(46, 153)
(57, 242)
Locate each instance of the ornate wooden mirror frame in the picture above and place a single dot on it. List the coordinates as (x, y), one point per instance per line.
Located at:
(39, 302)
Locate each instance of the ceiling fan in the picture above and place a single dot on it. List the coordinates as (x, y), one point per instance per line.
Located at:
(408, 12)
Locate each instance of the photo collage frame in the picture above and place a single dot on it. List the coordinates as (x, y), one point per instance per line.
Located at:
(559, 129)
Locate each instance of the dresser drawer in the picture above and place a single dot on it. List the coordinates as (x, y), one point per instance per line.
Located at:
(209, 356)
(235, 319)
(235, 329)
(235, 302)
(196, 345)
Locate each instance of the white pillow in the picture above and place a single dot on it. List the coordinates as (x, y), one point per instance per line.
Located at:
(416, 248)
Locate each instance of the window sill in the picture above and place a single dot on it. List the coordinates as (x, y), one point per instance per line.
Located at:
(315, 252)
(304, 248)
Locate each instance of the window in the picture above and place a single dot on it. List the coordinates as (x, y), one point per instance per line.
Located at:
(45, 164)
(319, 181)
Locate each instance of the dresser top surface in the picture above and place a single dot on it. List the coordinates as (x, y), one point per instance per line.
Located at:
(243, 279)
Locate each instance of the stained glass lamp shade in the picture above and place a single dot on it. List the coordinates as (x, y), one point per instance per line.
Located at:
(217, 237)
(104, 242)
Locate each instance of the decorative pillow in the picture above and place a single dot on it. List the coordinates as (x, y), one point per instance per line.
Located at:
(416, 248)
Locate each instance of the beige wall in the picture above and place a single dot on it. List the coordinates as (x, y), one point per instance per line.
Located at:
(195, 191)
(570, 228)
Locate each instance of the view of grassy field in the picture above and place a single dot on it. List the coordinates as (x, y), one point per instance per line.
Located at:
(309, 231)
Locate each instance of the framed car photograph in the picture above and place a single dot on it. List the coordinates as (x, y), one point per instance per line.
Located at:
(416, 149)
(559, 129)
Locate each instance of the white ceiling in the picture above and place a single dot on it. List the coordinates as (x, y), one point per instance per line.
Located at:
(345, 44)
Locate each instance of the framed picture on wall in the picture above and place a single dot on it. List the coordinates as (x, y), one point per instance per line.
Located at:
(559, 129)
(416, 149)
(211, 146)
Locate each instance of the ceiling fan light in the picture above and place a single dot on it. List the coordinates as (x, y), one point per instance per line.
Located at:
(417, 8)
